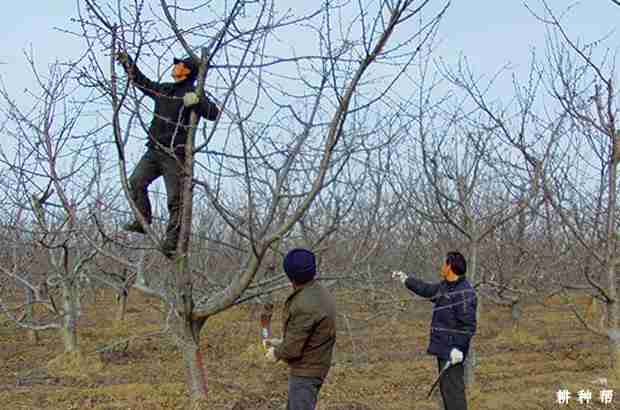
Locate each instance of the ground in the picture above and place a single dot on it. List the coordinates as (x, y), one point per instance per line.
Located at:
(380, 361)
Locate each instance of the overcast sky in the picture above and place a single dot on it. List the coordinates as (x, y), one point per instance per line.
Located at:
(491, 33)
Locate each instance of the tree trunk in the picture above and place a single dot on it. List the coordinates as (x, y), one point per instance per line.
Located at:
(188, 328)
(515, 313)
(266, 314)
(266, 306)
(614, 345)
(196, 374)
(122, 306)
(187, 335)
(472, 357)
(613, 308)
(70, 300)
(33, 335)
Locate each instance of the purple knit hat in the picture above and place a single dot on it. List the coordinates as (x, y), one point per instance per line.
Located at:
(300, 265)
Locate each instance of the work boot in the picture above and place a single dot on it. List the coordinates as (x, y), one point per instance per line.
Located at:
(134, 227)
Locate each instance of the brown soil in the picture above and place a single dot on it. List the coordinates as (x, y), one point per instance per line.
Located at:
(380, 364)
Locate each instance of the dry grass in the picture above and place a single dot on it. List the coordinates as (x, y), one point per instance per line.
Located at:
(380, 365)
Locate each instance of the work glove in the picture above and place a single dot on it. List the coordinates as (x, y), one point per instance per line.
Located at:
(272, 343)
(456, 356)
(399, 275)
(270, 356)
(190, 99)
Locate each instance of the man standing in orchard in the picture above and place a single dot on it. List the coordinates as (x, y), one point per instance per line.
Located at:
(309, 333)
(167, 134)
(453, 324)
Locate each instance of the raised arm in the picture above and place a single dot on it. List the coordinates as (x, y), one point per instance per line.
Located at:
(144, 84)
(421, 288)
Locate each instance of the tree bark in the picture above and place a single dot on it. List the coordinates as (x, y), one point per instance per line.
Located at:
(187, 334)
(122, 306)
(472, 356)
(70, 299)
(613, 309)
(266, 306)
(515, 313)
(33, 335)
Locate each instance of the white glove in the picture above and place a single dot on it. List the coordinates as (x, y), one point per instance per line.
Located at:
(270, 356)
(272, 343)
(456, 356)
(190, 99)
(399, 275)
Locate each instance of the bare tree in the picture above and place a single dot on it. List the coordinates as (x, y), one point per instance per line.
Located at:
(52, 162)
(277, 158)
(477, 165)
(584, 191)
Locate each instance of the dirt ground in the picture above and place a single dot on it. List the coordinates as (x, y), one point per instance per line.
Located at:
(380, 361)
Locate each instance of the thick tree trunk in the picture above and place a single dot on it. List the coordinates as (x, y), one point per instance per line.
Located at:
(122, 306)
(266, 314)
(70, 299)
(266, 307)
(196, 374)
(188, 340)
(188, 328)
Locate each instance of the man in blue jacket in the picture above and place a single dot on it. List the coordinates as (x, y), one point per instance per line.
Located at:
(453, 324)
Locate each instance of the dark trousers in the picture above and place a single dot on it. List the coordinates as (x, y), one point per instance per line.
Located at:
(151, 166)
(303, 392)
(452, 386)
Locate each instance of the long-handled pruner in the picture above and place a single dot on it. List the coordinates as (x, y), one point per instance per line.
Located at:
(443, 370)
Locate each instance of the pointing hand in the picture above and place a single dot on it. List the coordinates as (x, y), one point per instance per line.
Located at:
(399, 275)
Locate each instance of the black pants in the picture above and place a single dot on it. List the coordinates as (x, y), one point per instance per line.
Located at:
(452, 386)
(303, 392)
(152, 165)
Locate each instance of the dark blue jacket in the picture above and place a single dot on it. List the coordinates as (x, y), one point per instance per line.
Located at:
(454, 314)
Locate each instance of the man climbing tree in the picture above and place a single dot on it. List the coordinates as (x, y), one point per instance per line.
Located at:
(165, 155)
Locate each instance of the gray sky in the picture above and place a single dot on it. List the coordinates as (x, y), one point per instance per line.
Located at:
(491, 33)
(494, 32)
(31, 24)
